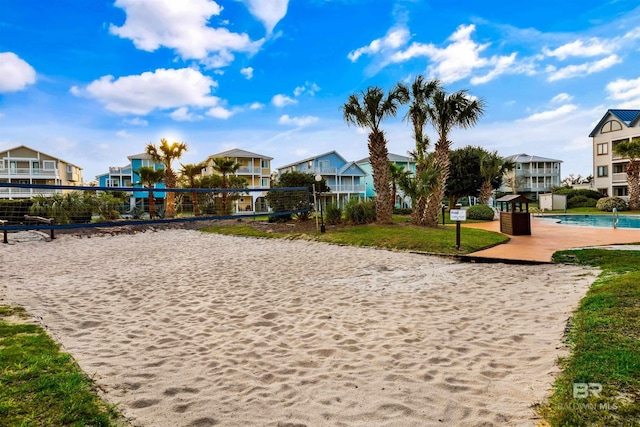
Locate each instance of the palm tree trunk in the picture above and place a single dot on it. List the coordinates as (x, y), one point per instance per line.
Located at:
(170, 181)
(224, 195)
(194, 201)
(379, 156)
(633, 180)
(485, 192)
(152, 205)
(434, 202)
(420, 203)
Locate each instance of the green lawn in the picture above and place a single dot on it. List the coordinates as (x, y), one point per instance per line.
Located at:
(41, 386)
(605, 346)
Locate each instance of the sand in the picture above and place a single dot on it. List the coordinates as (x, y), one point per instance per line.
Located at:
(182, 328)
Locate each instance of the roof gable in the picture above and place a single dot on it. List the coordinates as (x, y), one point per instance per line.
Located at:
(236, 152)
(628, 117)
(357, 170)
(525, 158)
(320, 156)
(41, 152)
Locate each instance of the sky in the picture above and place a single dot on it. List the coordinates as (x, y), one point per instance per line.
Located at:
(93, 82)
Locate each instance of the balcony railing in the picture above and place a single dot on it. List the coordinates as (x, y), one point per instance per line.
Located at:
(321, 171)
(535, 172)
(26, 192)
(347, 188)
(252, 170)
(28, 172)
(619, 177)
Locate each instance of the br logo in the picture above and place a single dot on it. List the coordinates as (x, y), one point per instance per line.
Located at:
(582, 390)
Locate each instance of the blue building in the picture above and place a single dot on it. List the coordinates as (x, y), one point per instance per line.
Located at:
(346, 179)
(407, 163)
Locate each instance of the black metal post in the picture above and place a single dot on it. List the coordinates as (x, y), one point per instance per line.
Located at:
(458, 235)
(322, 228)
(443, 214)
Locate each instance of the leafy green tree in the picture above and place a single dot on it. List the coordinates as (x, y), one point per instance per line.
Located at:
(367, 111)
(420, 95)
(396, 173)
(190, 174)
(213, 204)
(149, 177)
(166, 153)
(492, 168)
(445, 112)
(465, 178)
(631, 150)
(225, 167)
(286, 201)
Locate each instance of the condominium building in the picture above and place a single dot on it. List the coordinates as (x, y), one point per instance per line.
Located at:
(532, 175)
(24, 165)
(609, 168)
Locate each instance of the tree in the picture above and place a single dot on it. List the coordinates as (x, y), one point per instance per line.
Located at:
(396, 172)
(286, 201)
(369, 113)
(445, 112)
(492, 168)
(215, 181)
(225, 167)
(166, 153)
(190, 172)
(465, 178)
(419, 185)
(631, 150)
(420, 95)
(149, 177)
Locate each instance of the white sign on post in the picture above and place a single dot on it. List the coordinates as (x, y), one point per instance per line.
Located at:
(458, 215)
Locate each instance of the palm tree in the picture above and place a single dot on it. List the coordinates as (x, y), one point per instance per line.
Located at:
(368, 114)
(396, 172)
(149, 177)
(445, 112)
(492, 167)
(166, 153)
(631, 150)
(420, 94)
(190, 173)
(420, 185)
(225, 167)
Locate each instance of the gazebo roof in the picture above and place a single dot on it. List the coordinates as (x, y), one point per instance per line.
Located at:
(513, 198)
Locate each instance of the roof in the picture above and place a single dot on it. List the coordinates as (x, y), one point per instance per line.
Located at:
(513, 198)
(236, 152)
(41, 152)
(628, 117)
(344, 168)
(143, 156)
(313, 158)
(525, 158)
(392, 158)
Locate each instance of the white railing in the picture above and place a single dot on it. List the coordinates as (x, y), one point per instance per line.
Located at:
(321, 171)
(530, 172)
(26, 192)
(619, 177)
(347, 188)
(28, 171)
(252, 170)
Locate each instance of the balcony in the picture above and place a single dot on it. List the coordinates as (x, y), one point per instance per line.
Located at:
(249, 170)
(347, 188)
(6, 193)
(539, 172)
(619, 177)
(28, 172)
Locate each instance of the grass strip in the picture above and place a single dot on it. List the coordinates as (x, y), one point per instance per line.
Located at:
(605, 346)
(41, 386)
(398, 236)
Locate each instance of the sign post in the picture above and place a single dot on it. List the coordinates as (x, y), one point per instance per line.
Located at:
(458, 215)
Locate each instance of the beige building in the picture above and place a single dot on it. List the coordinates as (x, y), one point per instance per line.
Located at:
(24, 165)
(255, 169)
(609, 169)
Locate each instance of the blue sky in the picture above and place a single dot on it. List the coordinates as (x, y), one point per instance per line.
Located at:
(95, 81)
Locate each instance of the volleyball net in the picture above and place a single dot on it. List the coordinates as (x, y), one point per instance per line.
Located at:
(35, 206)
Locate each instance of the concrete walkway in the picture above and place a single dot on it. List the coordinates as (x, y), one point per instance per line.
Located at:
(548, 237)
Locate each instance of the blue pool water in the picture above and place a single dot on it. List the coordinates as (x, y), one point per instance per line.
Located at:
(624, 221)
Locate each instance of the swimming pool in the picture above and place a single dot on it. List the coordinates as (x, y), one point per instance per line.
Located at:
(624, 221)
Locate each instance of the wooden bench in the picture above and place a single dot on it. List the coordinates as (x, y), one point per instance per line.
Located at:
(41, 220)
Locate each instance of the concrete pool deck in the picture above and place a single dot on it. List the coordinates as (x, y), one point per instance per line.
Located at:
(548, 237)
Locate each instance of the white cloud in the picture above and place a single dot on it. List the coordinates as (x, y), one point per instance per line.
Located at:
(395, 37)
(136, 121)
(183, 114)
(16, 73)
(161, 89)
(460, 58)
(310, 88)
(256, 106)
(551, 114)
(592, 47)
(220, 112)
(268, 12)
(561, 97)
(282, 100)
(123, 134)
(182, 26)
(627, 92)
(247, 72)
(297, 121)
(580, 70)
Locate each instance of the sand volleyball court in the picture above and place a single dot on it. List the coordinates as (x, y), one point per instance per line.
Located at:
(183, 328)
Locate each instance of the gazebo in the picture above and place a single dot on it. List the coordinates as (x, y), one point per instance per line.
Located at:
(513, 219)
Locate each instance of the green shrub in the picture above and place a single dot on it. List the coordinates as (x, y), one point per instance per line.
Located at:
(581, 202)
(358, 212)
(482, 212)
(402, 211)
(607, 204)
(333, 214)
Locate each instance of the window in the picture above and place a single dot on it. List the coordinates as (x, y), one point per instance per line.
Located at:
(603, 149)
(264, 182)
(147, 163)
(611, 126)
(35, 167)
(603, 171)
(604, 191)
(69, 169)
(48, 165)
(264, 164)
